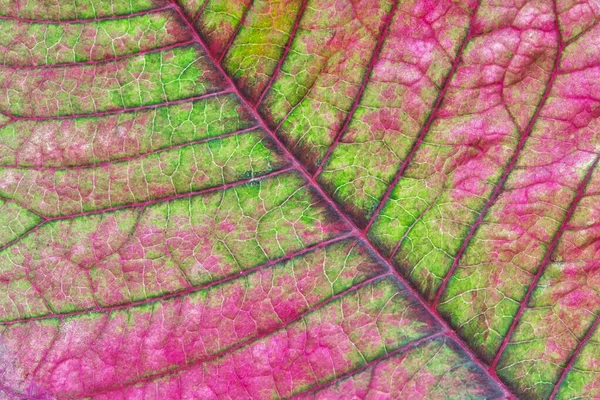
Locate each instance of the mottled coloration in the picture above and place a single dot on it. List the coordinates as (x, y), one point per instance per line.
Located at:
(320, 199)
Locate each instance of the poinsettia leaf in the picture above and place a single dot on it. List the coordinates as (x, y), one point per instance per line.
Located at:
(316, 199)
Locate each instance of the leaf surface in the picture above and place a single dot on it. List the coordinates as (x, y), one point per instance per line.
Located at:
(316, 199)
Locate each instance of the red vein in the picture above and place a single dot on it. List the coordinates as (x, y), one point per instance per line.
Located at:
(225, 351)
(372, 363)
(574, 356)
(47, 351)
(200, 11)
(298, 102)
(410, 228)
(176, 196)
(347, 220)
(548, 256)
(500, 185)
(188, 290)
(136, 156)
(147, 203)
(12, 394)
(237, 30)
(8, 200)
(118, 110)
(286, 50)
(582, 33)
(36, 288)
(97, 61)
(425, 129)
(374, 58)
(22, 235)
(85, 20)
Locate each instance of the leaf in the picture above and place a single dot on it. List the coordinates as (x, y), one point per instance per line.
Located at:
(314, 199)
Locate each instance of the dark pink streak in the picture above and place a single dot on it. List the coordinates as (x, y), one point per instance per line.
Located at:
(200, 11)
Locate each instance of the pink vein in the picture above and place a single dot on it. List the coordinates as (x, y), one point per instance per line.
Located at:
(500, 185)
(574, 356)
(15, 395)
(186, 291)
(358, 232)
(118, 110)
(374, 58)
(223, 352)
(372, 363)
(546, 260)
(425, 129)
(136, 156)
(23, 235)
(237, 30)
(86, 20)
(200, 11)
(410, 228)
(41, 216)
(148, 202)
(286, 50)
(96, 61)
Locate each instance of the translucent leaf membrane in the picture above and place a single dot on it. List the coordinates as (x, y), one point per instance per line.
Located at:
(314, 90)
(154, 229)
(192, 8)
(260, 42)
(576, 17)
(63, 192)
(322, 199)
